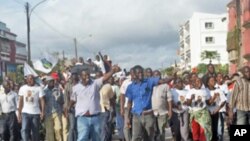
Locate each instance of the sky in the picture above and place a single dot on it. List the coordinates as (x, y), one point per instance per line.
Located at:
(131, 32)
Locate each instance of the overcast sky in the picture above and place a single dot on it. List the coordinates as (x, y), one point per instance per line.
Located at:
(131, 32)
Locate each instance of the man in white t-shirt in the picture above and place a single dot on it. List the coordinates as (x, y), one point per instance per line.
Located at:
(123, 105)
(180, 117)
(31, 98)
(222, 113)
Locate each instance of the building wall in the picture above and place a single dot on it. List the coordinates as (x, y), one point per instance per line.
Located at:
(197, 34)
(12, 52)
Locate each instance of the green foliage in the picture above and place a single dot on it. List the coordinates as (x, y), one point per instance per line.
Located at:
(202, 68)
(168, 71)
(210, 55)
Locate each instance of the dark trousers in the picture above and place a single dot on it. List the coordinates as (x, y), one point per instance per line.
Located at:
(215, 118)
(10, 127)
(106, 134)
(72, 126)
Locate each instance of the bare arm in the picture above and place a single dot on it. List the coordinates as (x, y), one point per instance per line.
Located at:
(113, 70)
(42, 101)
(129, 114)
(170, 109)
(122, 102)
(20, 108)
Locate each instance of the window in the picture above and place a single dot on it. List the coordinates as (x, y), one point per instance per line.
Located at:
(209, 25)
(209, 40)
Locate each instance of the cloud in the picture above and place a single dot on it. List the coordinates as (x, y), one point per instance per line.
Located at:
(132, 32)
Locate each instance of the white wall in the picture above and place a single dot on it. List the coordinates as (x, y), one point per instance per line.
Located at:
(198, 33)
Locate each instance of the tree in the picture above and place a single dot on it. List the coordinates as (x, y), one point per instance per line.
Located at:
(211, 55)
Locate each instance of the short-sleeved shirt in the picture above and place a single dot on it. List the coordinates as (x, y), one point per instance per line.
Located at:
(160, 98)
(218, 101)
(199, 101)
(106, 94)
(53, 101)
(8, 102)
(123, 90)
(140, 94)
(87, 98)
(224, 89)
(179, 98)
(31, 98)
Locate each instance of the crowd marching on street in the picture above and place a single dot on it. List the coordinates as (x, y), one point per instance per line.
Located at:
(89, 100)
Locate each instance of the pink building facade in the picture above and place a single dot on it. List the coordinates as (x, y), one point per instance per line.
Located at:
(243, 30)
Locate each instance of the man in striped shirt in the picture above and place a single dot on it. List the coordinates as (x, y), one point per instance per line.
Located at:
(240, 98)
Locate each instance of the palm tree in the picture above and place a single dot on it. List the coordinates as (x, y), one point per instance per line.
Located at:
(210, 55)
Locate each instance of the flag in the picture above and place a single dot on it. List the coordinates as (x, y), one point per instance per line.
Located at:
(27, 70)
(46, 63)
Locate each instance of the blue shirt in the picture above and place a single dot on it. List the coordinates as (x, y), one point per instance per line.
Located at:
(140, 94)
(53, 101)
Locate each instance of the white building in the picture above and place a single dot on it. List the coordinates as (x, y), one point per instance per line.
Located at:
(203, 32)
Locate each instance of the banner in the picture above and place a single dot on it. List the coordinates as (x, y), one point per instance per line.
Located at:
(46, 63)
(27, 70)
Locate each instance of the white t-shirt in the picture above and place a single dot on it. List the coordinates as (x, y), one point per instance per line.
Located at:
(123, 90)
(218, 101)
(225, 91)
(100, 65)
(31, 96)
(199, 102)
(178, 98)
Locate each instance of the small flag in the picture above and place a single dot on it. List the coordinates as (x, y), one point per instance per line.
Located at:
(46, 63)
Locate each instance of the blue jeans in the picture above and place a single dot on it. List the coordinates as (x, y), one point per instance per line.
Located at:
(243, 117)
(89, 127)
(72, 126)
(221, 125)
(30, 122)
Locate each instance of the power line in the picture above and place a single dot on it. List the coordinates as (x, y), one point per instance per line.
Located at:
(59, 32)
(52, 28)
(18, 2)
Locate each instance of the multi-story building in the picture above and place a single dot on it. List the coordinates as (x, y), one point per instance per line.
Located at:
(12, 52)
(203, 32)
(238, 39)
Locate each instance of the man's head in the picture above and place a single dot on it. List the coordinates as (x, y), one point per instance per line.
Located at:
(51, 84)
(138, 73)
(178, 83)
(6, 86)
(149, 72)
(74, 77)
(81, 60)
(157, 73)
(30, 80)
(105, 57)
(97, 57)
(246, 72)
(98, 74)
(111, 81)
(210, 68)
(132, 74)
(85, 76)
(219, 78)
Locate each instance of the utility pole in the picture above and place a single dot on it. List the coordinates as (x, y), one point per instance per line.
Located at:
(29, 11)
(27, 8)
(75, 41)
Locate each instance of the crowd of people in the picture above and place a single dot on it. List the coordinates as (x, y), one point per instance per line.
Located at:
(89, 100)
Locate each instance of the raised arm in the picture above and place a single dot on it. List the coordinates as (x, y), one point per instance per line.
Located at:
(113, 70)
